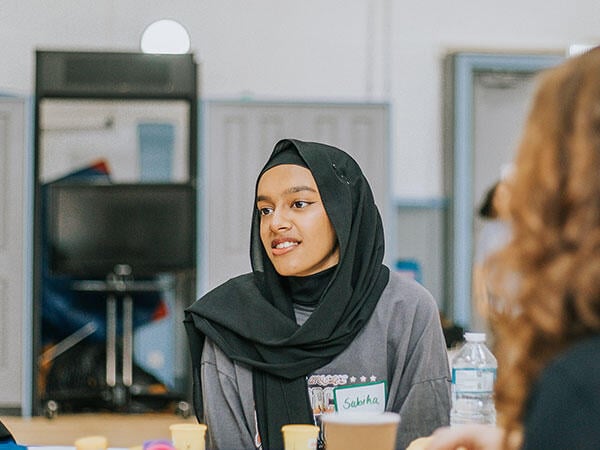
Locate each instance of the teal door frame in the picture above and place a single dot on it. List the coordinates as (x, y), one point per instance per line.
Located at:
(464, 67)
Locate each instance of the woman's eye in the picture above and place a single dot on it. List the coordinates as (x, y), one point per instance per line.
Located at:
(265, 211)
(300, 204)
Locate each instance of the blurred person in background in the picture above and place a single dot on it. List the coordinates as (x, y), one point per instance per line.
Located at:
(547, 324)
(492, 235)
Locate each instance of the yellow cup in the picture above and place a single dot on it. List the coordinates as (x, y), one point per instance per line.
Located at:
(91, 443)
(359, 431)
(300, 436)
(188, 436)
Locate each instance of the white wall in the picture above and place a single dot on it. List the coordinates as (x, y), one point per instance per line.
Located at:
(312, 50)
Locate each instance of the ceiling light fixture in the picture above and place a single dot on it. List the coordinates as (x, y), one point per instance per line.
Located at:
(165, 36)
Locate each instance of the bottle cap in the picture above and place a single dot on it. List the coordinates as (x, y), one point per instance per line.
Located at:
(475, 337)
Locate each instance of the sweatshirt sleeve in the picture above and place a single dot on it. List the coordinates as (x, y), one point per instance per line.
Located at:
(228, 406)
(420, 382)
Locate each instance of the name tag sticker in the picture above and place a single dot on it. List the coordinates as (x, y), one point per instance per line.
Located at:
(368, 397)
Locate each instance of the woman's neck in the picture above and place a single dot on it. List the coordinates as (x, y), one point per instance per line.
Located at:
(307, 290)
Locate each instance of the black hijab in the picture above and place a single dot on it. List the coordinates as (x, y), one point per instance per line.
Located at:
(251, 317)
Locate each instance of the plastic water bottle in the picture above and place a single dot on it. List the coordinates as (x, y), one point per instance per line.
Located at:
(473, 375)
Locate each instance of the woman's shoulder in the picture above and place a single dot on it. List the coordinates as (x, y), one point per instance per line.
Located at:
(573, 371)
(564, 404)
(406, 287)
(407, 293)
(238, 283)
(579, 361)
(233, 290)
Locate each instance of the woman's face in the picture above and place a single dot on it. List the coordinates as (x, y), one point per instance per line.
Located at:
(294, 227)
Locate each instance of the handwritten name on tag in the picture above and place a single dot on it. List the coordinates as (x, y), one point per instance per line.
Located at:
(369, 397)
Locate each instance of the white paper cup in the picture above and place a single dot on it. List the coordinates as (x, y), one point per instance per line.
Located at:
(300, 436)
(360, 431)
(188, 436)
(91, 443)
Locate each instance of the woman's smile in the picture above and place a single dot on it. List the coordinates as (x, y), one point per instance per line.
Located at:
(282, 246)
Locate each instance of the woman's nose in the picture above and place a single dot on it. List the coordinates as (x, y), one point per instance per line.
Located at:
(280, 220)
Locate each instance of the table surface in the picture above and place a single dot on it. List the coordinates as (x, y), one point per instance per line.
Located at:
(121, 430)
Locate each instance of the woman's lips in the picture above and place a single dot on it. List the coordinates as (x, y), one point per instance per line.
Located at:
(282, 246)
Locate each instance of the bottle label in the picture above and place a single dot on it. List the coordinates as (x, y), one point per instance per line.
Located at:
(473, 380)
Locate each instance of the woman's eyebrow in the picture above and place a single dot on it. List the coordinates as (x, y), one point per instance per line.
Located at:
(290, 190)
(294, 189)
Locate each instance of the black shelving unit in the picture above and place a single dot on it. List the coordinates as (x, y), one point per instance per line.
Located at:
(121, 77)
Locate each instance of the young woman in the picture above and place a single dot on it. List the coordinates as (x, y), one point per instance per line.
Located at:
(547, 278)
(320, 323)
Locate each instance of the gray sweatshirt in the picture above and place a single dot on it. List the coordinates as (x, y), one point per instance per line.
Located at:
(402, 345)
